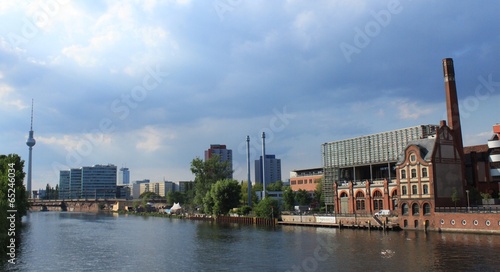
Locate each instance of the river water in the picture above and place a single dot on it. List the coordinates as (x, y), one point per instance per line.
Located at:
(63, 241)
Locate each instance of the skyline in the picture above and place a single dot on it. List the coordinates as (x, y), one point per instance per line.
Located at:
(150, 86)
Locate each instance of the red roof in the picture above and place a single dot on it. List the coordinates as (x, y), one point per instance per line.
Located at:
(476, 148)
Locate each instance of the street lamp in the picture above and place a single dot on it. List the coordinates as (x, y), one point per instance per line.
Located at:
(468, 204)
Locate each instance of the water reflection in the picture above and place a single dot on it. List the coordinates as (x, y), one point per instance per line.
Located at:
(90, 242)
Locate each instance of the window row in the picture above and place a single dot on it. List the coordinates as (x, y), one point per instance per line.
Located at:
(415, 209)
(414, 189)
(413, 173)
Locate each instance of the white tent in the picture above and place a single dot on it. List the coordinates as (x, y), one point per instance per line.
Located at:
(176, 207)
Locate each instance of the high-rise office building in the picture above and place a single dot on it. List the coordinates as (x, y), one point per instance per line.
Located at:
(98, 181)
(124, 176)
(64, 184)
(75, 183)
(272, 168)
(224, 154)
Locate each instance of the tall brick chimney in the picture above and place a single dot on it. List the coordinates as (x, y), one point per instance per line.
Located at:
(452, 103)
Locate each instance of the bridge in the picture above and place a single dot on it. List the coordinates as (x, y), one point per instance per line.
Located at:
(78, 205)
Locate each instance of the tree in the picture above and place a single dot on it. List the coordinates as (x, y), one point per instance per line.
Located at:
(225, 195)
(454, 197)
(275, 186)
(244, 194)
(288, 198)
(207, 173)
(150, 195)
(11, 188)
(175, 197)
(267, 208)
(319, 198)
(302, 197)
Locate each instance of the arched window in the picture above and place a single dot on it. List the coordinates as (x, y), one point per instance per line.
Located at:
(413, 173)
(360, 201)
(343, 194)
(414, 190)
(414, 209)
(427, 209)
(404, 209)
(403, 174)
(426, 189)
(377, 201)
(403, 190)
(424, 172)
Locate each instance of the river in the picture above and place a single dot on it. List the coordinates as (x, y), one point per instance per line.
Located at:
(64, 241)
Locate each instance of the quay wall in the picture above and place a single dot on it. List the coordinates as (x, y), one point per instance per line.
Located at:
(467, 222)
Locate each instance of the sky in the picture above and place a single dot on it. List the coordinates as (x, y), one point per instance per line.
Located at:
(149, 85)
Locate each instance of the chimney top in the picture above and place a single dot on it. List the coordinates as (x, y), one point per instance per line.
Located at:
(442, 123)
(448, 69)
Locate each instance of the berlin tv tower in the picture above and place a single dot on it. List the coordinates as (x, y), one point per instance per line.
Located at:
(30, 142)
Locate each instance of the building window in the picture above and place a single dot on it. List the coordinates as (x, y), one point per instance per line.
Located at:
(403, 174)
(424, 172)
(293, 182)
(426, 189)
(413, 173)
(360, 201)
(414, 209)
(404, 208)
(413, 158)
(403, 190)
(427, 209)
(343, 194)
(414, 190)
(378, 204)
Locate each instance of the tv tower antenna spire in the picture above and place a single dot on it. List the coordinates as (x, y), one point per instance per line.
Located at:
(30, 143)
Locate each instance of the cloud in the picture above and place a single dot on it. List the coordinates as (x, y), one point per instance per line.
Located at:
(6, 97)
(412, 110)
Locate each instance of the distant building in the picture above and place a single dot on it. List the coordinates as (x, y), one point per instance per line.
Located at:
(75, 186)
(124, 176)
(482, 165)
(306, 179)
(136, 188)
(185, 186)
(98, 181)
(160, 188)
(224, 154)
(64, 187)
(272, 168)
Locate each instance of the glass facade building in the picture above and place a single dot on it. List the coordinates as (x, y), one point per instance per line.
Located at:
(369, 157)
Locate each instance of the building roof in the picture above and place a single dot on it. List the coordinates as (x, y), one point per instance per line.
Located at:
(426, 146)
(476, 148)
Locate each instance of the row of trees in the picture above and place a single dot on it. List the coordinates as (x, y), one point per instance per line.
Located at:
(215, 194)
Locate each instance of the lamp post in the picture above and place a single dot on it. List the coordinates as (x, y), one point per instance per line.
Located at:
(468, 204)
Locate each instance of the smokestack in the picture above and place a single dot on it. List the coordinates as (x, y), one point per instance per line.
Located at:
(452, 102)
(249, 191)
(263, 165)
